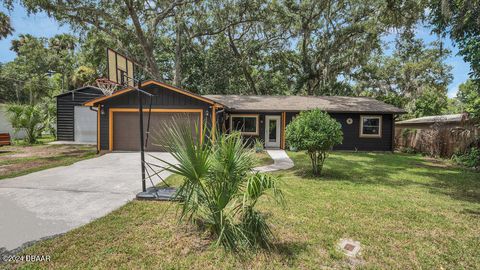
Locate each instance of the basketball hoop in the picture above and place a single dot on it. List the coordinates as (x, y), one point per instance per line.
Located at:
(107, 86)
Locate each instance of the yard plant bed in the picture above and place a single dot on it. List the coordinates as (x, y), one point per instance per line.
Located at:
(406, 211)
(18, 160)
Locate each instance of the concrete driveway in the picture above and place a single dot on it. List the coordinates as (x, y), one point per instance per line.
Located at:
(57, 200)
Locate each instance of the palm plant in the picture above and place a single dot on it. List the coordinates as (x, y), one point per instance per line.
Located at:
(29, 118)
(220, 190)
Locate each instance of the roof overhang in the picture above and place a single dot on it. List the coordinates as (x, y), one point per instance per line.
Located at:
(78, 89)
(234, 110)
(95, 101)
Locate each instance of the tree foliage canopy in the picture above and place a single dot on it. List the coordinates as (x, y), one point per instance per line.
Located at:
(260, 47)
(469, 95)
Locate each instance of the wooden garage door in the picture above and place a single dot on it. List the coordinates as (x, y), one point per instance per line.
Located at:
(126, 125)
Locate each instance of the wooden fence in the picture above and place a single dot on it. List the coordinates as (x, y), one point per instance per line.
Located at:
(438, 139)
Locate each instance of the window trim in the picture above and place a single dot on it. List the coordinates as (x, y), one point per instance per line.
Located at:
(257, 126)
(380, 124)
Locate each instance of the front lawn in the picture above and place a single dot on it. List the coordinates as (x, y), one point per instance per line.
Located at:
(407, 211)
(20, 159)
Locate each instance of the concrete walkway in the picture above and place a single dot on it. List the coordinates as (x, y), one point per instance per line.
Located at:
(56, 200)
(71, 143)
(281, 161)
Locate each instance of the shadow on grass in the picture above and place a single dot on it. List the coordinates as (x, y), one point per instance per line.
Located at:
(289, 250)
(472, 212)
(286, 252)
(394, 170)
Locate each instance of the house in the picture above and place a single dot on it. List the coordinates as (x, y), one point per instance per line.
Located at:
(438, 135)
(76, 122)
(368, 124)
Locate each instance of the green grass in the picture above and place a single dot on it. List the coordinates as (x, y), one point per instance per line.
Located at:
(407, 212)
(40, 141)
(262, 159)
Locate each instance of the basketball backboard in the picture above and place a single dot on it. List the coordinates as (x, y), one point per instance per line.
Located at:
(120, 69)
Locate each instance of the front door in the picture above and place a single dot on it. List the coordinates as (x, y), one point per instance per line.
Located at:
(272, 131)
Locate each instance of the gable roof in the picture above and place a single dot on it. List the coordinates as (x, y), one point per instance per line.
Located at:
(447, 118)
(338, 104)
(81, 89)
(93, 102)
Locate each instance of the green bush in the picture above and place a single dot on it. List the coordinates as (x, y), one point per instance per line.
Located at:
(258, 145)
(29, 118)
(220, 190)
(407, 150)
(471, 158)
(316, 133)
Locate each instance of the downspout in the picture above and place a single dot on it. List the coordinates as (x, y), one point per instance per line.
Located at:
(98, 126)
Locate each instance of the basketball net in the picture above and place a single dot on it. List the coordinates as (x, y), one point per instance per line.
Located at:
(107, 86)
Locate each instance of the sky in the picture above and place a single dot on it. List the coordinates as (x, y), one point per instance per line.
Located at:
(41, 25)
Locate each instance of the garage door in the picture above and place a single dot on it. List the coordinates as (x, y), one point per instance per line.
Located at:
(85, 125)
(126, 124)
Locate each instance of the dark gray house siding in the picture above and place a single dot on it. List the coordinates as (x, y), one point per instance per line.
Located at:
(261, 127)
(351, 133)
(65, 110)
(163, 99)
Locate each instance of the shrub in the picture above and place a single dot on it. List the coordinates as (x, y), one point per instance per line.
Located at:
(220, 190)
(407, 150)
(471, 158)
(258, 145)
(29, 118)
(316, 133)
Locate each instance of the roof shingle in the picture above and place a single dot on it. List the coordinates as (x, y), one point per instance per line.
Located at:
(447, 118)
(302, 103)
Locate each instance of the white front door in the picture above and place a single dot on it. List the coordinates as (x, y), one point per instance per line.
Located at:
(272, 131)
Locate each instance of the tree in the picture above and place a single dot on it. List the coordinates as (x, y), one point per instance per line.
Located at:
(128, 22)
(335, 38)
(6, 28)
(83, 75)
(29, 118)
(454, 106)
(415, 73)
(316, 133)
(31, 68)
(430, 102)
(459, 19)
(62, 52)
(412, 67)
(469, 95)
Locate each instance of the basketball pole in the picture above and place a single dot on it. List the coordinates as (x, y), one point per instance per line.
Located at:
(140, 94)
(142, 147)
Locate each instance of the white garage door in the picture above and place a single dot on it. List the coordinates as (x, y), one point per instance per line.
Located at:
(85, 125)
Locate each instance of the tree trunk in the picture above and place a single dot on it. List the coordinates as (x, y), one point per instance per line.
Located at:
(245, 68)
(306, 61)
(147, 45)
(177, 77)
(317, 159)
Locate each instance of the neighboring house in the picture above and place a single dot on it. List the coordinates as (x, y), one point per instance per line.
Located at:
(6, 127)
(438, 135)
(368, 124)
(76, 122)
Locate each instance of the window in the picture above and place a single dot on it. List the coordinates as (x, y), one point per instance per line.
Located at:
(247, 124)
(370, 126)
